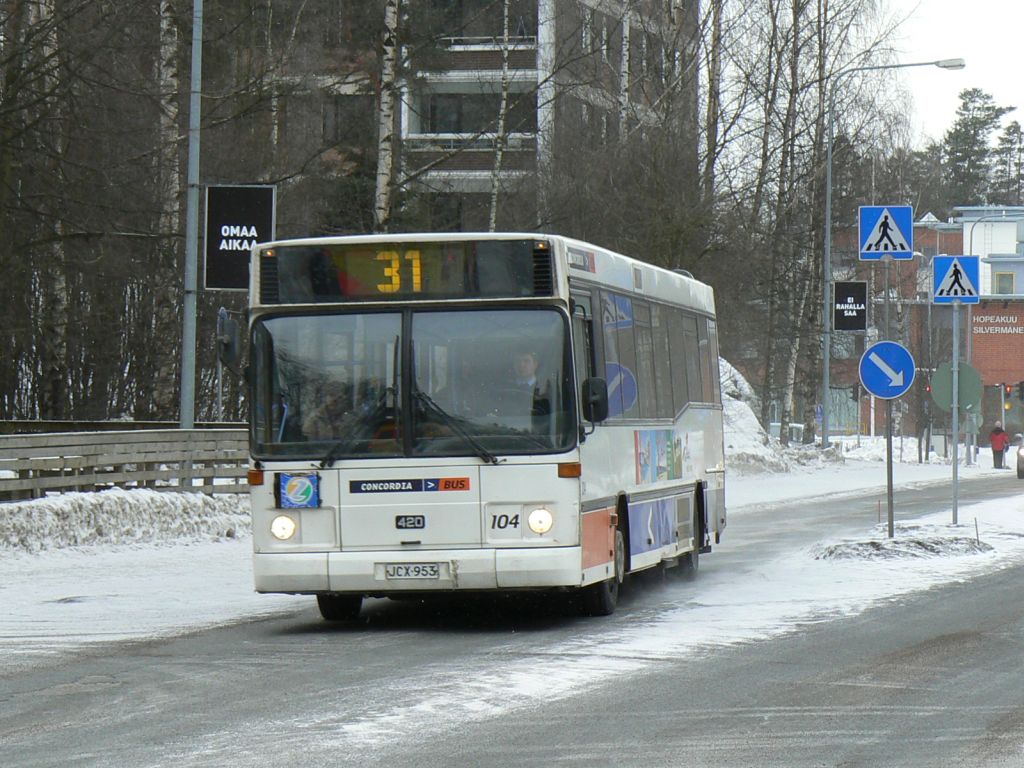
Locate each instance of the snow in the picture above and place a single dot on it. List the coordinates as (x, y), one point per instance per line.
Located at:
(78, 571)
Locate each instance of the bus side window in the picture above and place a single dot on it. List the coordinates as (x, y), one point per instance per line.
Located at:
(583, 343)
(644, 359)
(662, 361)
(709, 345)
(680, 387)
(691, 347)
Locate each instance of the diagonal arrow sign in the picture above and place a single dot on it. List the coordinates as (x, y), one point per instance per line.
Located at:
(895, 379)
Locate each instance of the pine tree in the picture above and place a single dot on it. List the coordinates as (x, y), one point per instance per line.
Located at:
(966, 147)
(1009, 166)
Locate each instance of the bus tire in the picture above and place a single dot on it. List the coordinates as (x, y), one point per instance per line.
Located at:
(689, 563)
(602, 598)
(335, 607)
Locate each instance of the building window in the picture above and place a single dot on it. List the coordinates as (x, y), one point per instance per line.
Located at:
(347, 119)
(1002, 283)
(475, 21)
(473, 113)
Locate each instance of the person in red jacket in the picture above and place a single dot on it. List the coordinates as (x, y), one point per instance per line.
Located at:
(1000, 441)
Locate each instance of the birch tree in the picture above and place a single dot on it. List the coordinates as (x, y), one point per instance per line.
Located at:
(386, 118)
(501, 134)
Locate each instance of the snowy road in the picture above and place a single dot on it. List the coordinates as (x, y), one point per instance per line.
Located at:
(289, 691)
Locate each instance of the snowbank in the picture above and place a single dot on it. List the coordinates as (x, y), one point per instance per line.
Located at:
(120, 517)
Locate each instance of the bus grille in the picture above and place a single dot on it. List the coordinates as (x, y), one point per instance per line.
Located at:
(269, 292)
(543, 279)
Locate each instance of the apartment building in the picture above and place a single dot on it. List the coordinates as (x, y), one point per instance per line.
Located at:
(515, 86)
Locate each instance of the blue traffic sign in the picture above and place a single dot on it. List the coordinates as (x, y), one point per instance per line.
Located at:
(886, 230)
(955, 279)
(886, 369)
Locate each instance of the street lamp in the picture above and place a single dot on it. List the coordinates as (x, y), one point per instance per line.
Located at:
(827, 262)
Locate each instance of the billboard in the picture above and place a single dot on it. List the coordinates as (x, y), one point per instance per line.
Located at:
(237, 217)
(849, 309)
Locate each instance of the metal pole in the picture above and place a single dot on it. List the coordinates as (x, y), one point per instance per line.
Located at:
(955, 407)
(826, 273)
(188, 331)
(886, 261)
(220, 390)
(888, 463)
(931, 371)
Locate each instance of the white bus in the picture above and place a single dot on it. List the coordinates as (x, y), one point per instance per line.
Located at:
(437, 413)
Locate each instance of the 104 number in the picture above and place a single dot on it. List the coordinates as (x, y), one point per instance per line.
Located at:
(502, 522)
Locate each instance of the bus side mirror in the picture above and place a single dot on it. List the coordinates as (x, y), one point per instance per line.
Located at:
(595, 399)
(228, 341)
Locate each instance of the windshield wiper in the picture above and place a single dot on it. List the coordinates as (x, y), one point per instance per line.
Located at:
(451, 422)
(338, 447)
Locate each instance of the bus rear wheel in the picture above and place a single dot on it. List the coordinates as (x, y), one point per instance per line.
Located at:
(339, 607)
(602, 598)
(689, 563)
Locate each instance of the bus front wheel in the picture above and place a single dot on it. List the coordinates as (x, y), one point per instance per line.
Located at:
(339, 607)
(602, 598)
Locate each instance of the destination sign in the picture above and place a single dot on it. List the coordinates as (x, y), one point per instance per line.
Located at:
(400, 271)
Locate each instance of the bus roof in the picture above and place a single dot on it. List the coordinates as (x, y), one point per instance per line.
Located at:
(578, 262)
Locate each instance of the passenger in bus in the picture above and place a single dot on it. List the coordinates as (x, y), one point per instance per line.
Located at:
(534, 394)
(326, 420)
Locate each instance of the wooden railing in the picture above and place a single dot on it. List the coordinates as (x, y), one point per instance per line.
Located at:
(199, 460)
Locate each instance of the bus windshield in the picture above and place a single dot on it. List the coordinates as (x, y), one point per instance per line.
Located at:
(466, 382)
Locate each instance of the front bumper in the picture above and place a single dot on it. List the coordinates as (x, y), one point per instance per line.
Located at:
(363, 572)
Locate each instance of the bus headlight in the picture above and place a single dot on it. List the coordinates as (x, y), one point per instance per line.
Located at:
(283, 527)
(540, 520)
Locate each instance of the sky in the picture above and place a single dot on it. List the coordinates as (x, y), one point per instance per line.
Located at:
(985, 33)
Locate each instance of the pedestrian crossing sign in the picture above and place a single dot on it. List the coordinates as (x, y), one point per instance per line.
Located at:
(955, 279)
(886, 230)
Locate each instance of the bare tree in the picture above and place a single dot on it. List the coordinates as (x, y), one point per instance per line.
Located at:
(386, 117)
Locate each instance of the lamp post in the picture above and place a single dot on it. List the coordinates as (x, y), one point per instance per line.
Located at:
(826, 320)
(188, 333)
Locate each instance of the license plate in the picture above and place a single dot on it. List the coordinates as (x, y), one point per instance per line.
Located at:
(412, 571)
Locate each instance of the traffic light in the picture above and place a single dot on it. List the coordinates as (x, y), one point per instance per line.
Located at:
(1020, 390)
(1007, 389)
(855, 392)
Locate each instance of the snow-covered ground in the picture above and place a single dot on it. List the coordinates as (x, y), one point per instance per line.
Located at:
(84, 569)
